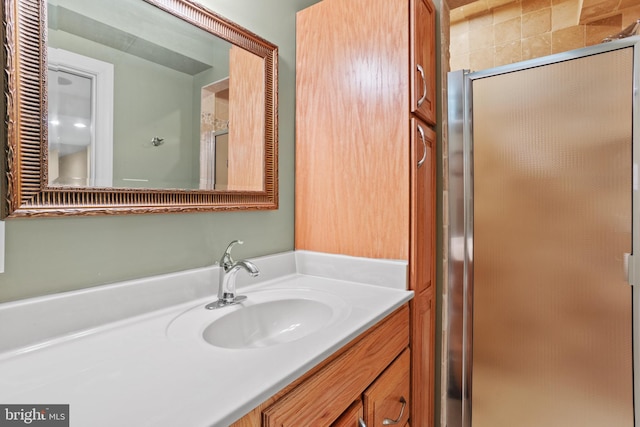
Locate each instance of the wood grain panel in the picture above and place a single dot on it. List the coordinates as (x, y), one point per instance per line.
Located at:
(246, 121)
(352, 151)
(325, 396)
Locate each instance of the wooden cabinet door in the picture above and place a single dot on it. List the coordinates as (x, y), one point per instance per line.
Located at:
(423, 179)
(423, 60)
(422, 354)
(388, 397)
(422, 272)
(352, 416)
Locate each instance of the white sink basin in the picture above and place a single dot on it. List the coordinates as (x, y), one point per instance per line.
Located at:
(268, 323)
(266, 318)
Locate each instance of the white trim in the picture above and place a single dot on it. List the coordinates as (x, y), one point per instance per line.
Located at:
(102, 121)
(372, 271)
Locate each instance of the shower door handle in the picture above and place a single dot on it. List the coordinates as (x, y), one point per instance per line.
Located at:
(630, 270)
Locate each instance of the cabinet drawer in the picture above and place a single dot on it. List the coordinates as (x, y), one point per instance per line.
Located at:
(388, 397)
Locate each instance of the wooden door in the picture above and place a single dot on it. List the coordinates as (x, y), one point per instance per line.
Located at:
(423, 60)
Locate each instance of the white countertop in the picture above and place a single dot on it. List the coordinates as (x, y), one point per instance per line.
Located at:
(133, 373)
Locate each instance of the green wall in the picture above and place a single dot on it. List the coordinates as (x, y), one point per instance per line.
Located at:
(51, 255)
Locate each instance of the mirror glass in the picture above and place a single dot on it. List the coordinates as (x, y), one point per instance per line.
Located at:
(141, 99)
(136, 107)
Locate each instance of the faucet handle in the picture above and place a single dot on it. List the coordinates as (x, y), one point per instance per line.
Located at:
(226, 257)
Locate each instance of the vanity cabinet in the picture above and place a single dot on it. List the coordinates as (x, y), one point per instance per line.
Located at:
(367, 376)
(366, 150)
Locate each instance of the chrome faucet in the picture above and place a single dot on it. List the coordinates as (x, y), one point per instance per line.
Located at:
(228, 271)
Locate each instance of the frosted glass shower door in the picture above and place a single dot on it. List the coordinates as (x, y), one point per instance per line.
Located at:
(552, 311)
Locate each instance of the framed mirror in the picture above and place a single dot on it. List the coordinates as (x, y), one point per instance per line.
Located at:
(136, 106)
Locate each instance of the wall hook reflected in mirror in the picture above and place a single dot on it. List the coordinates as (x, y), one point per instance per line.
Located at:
(156, 141)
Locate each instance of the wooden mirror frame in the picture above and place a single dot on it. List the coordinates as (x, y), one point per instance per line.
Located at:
(25, 187)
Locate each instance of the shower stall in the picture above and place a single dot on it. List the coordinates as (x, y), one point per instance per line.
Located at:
(544, 241)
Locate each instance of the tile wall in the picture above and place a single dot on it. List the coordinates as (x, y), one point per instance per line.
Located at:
(487, 34)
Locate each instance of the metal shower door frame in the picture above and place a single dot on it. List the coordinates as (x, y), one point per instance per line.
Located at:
(459, 321)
